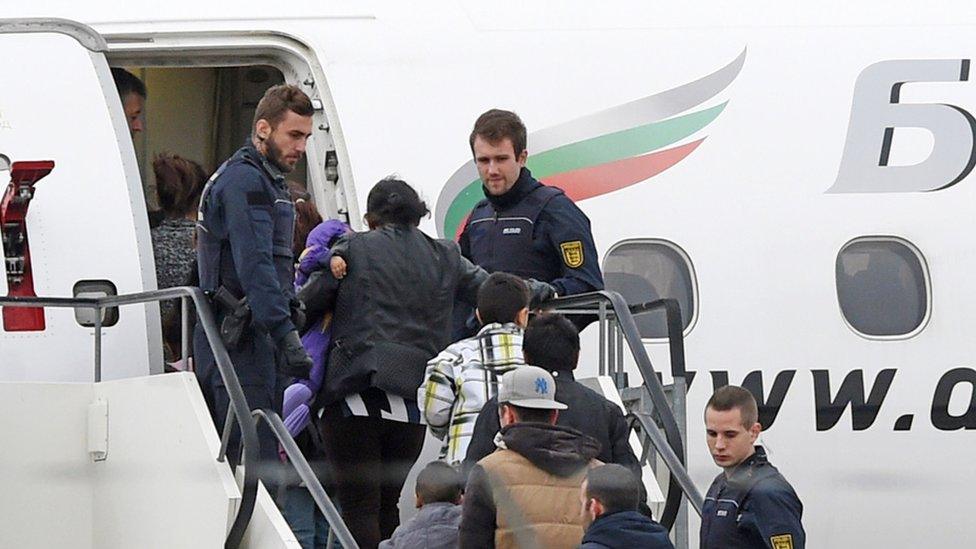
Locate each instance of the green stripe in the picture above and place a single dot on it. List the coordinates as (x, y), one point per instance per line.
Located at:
(619, 145)
(461, 206)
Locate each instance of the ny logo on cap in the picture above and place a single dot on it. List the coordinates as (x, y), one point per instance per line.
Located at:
(541, 386)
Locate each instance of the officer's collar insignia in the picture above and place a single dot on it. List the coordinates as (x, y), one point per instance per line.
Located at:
(783, 541)
(572, 253)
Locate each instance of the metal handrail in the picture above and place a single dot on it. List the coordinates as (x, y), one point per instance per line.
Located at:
(679, 476)
(671, 446)
(301, 465)
(676, 341)
(238, 402)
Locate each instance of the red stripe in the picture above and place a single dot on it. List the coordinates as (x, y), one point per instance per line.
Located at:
(605, 178)
(460, 227)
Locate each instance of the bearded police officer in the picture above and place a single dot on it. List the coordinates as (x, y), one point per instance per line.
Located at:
(750, 504)
(522, 226)
(245, 230)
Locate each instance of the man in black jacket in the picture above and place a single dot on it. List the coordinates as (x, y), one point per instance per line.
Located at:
(552, 342)
(609, 499)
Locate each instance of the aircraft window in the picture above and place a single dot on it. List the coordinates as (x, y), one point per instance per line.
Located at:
(647, 270)
(882, 286)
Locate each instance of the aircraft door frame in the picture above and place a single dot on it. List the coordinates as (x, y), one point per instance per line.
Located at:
(330, 179)
(67, 110)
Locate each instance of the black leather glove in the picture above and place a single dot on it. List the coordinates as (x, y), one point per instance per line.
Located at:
(297, 314)
(295, 360)
(540, 292)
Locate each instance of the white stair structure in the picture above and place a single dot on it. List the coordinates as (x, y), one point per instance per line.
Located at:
(651, 479)
(119, 464)
(132, 462)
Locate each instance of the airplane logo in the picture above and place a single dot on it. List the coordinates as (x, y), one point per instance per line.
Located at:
(877, 111)
(541, 386)
(605, 151)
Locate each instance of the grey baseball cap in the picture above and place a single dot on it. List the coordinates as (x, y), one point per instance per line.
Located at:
(529, 387)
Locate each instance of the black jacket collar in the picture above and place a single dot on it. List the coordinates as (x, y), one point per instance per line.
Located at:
(758, 458)
(523, 186)
(252, 154)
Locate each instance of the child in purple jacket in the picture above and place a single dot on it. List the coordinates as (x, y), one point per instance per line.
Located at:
(299, 395)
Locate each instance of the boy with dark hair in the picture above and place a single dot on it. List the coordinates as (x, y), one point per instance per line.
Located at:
(465, 375)
(609, 498)
(435, 526)
(551, 342)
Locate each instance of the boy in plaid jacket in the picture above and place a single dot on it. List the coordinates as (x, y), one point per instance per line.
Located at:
(464, 376)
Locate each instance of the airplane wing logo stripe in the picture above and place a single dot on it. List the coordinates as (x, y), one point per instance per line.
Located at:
(620, 145)
(594, 180)
(605, 178)
(605, 151)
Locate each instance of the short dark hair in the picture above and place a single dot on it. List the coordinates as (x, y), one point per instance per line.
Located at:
(280, 99)
(529, 415)
(179, 182)
(501, 297)
(126, 83)
(439, 481)
(393, 201)
(614, 486)
(733, 396)
(551, 342)
(496, 125)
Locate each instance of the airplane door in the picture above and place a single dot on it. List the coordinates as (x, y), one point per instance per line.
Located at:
(86, 224)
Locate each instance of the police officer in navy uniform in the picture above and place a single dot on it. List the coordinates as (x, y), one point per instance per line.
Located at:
(244, 232)
(523, 227)
(749, 505)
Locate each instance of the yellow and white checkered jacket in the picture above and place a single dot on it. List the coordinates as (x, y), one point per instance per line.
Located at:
(461, 379)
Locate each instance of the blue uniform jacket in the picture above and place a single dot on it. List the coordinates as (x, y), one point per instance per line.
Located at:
(245, 229)
(534, 231)
(246, 226)
(754, 508)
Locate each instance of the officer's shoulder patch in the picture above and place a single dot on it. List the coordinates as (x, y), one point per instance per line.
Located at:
(572, 253)
(259, 198)
(782, 541)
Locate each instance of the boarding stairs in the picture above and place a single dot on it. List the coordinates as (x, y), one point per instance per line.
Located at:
(656, 412)
(137, 462)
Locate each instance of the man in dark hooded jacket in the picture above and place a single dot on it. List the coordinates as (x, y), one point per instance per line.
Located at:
(526, 494)
(609, 498)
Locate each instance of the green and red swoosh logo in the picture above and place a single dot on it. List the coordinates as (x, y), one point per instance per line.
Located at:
(606, 151)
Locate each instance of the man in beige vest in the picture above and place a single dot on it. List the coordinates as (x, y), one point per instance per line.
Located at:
(526, 494)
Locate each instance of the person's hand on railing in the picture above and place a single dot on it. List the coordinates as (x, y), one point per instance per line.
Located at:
(540, 292)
